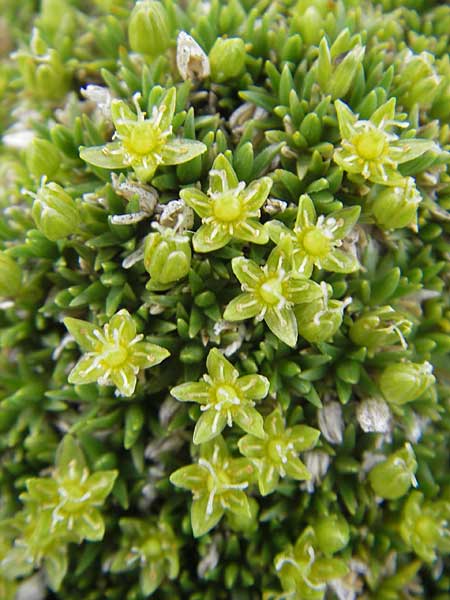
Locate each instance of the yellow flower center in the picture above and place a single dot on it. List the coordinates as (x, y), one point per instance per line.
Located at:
(370, 144)
(144, 138)
(276, 450)
(226, 395)
(227, 208)
(271, 291)
(316, 243)
(115, 356)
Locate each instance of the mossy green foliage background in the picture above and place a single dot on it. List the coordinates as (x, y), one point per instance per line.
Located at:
(86, 501)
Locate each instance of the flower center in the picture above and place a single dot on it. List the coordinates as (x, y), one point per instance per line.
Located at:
(316, 243)
(227, 207)
(144, 138)
(226, 396)
(271, 291)
(115, 356)
(276, 450)
(370, 144)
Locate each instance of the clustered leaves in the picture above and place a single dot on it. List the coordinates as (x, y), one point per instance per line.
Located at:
(224, 290)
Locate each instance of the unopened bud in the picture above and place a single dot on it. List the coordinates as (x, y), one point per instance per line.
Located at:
(55, 212)
(392, 478)
(167, 256)
(396, 206)
(404, 382)
(332, 534)
(380, 327)
(227, 59)
(149, 28)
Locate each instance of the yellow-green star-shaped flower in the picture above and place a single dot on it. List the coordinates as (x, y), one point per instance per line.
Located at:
(271, 291)
(317, 241)
(224, 398)
(114, 354)
(143, 144)
(229, 210)
(277, 455)
(217, 482)
(369, 148)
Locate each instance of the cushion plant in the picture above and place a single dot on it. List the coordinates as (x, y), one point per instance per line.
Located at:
(225, 318)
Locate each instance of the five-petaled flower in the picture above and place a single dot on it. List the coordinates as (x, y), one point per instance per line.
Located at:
(143, 144)
(229, 209)
(303, 572)
(218, 483)
(277, 455)
(370, 149)
(114, 354)
(271, 291)
(224, 398)
(317, 241)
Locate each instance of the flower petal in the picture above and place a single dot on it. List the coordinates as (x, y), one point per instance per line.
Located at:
(283, 324)
(306, 213)
(179, 151)
(251, 446)
(85, 371)
(219, 368)
(255, 387)
(222, 176)
(125, 380)
(296, 469)
(246, 271)
(209, 425)
(268, 478)
(197, 200)
(339, 261)
(346, 119)
(167, 108)
(256, 193)
(83, 332)
(205, 514)
(191, 477)
(303, 437)
(277, 230)
(250, 420)
(236, 501)
(145, 354)
(211, 236)
(124, 324)
(410, 149)
(274, 423)
(251, 231)
(244, 306)
(109, 156)
(192, 392)
(301, 289)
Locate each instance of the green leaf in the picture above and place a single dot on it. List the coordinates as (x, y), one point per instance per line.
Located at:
(151, 577)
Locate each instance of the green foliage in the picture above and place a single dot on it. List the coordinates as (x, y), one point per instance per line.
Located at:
(224, 268)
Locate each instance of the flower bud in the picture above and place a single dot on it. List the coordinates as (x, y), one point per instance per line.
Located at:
(167, 256)
(379, 328)
(10, 276)
(43, 158)
(149, 28)
(404, 382)
(417, 80)
(227, 59)
(55, 212)
(396, 206)
(318, 321)
(332, 533)
(392, 478)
